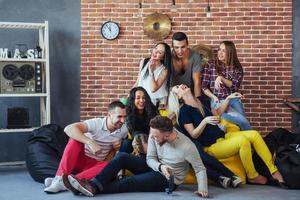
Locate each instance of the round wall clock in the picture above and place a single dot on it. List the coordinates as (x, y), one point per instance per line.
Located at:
(110, 30)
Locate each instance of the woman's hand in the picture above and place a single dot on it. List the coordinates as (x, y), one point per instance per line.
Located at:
(151, 66)
(235, 95)
(215, 99)
(202, 194)
(213, 120)
(218, 82)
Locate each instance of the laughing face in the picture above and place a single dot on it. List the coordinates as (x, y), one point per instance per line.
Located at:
(181, 90)
(140, 100)
(180, 48)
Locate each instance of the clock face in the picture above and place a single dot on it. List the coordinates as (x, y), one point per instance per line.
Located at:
(110, 30)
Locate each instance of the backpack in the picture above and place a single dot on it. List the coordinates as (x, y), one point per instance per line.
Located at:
(282, 145)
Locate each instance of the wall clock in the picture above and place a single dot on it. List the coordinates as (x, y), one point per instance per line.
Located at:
(110, 30)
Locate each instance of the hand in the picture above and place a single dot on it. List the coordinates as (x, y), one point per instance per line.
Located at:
(235, 95)
(116, 144)
(202, 194)
(213, 120)
(215, 99)
(166, 171)
(151, 66)
(94, 147)
(218, 82)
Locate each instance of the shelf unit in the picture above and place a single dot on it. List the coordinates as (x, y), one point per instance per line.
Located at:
(44, 95)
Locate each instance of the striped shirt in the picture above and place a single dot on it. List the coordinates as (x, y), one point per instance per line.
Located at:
(97, 130)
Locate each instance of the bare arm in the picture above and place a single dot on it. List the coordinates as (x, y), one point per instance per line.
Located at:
(76, 131)
(156, 84)
(196, 132)
(225, 104)
(197, 83)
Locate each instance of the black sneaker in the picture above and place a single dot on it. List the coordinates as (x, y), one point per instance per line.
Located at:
(236, 181)
(224, 181)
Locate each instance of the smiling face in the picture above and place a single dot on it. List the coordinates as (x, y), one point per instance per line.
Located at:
(158, 52)
(222, 52)
(140, 100)
(181, 90)
(159, 137)
(180, 48)
(117, 117)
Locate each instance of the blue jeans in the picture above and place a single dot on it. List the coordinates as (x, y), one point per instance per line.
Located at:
(143, 180)
(235, 113)
(214, 168)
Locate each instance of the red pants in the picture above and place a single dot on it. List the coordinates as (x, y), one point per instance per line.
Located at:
(74, 160)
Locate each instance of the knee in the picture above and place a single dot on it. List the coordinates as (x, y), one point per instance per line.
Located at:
(244, 142)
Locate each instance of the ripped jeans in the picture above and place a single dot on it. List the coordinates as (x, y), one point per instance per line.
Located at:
(235, 113)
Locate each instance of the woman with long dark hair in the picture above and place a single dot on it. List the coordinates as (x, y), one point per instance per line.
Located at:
(140, 110)
(154, 73)
(220, 78)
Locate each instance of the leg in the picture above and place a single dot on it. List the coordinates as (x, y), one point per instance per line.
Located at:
(215, 167)
(232, 146)
(92, 171)
(263, 151)
(72, 156)
(126, 146)
(146, 182)
(122, 160)
(236, 114)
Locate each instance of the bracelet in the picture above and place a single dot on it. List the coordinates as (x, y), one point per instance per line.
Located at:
(159, 167)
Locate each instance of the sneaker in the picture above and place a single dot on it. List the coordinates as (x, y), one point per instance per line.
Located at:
(56, 186)
(82, 186)
(224, 181)
(48, 181)
(236, 181)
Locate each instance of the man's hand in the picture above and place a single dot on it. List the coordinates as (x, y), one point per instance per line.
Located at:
(116, 144)
(202, 194)
(213, 120)
(218, 82)
(94, 147)
(166, 170)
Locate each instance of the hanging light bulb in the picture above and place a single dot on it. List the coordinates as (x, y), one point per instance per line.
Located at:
(208, 10)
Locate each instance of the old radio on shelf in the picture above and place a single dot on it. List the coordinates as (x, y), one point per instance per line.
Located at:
(21, 77)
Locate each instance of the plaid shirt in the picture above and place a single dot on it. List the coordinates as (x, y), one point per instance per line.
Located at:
(210, 74)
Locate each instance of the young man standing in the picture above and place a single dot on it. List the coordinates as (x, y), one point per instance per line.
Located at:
(169, 152)
(187, 64)
(90, 143)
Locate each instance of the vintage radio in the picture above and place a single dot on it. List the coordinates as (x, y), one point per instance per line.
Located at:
(21, 77)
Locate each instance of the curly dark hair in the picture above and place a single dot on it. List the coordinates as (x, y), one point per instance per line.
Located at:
(135, 121)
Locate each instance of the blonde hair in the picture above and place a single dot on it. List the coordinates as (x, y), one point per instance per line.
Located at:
(174, 106)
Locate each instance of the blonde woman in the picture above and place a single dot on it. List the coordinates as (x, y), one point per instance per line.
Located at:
(197, 121)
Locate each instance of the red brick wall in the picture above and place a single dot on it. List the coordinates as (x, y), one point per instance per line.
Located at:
(261, 30)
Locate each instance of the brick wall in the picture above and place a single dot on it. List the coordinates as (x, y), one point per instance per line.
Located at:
(261, 30)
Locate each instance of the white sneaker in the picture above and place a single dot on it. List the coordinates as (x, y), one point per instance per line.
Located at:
(236, 181)
(56, 186)
(48, 181)
(224, 181)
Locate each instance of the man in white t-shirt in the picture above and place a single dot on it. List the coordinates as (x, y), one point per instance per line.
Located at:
(90, 143)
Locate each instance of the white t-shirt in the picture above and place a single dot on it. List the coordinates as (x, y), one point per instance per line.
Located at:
(97, 130)
(159, 95)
